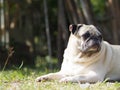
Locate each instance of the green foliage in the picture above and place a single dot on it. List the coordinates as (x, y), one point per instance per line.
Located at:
(45, 63)
(98, 7)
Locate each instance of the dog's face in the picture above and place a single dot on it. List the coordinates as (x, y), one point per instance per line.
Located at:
(89, 38)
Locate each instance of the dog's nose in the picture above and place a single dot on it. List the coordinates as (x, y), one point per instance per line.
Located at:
(95, 38)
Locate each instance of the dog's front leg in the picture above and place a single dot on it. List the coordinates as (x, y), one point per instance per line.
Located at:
(83, 78)
(50, 76)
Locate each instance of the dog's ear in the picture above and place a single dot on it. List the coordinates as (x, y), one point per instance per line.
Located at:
(72, 28)
(79, 26)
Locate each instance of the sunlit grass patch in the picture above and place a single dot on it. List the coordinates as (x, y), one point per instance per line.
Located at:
(24, 79)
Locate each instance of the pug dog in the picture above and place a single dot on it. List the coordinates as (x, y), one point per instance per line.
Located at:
(87, 58)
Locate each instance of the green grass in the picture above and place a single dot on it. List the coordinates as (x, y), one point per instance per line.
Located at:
(24, 79)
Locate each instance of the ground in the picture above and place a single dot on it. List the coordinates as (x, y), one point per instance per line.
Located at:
(24, 79)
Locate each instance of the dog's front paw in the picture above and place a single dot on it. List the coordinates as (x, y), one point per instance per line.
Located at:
(41, 78)
(66, 80)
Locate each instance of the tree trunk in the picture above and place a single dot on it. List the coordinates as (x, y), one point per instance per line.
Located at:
(7, 27)
(62, 31)
(114, 6)
(74, 13)
(47, 31)
(87, 11)
(2, 23)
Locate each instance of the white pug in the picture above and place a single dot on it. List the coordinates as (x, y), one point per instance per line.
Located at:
(87, 58)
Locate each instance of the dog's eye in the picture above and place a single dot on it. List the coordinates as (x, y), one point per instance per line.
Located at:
(100, 37)
(86, 35)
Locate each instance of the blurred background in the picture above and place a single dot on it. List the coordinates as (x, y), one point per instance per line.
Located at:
(35, 32)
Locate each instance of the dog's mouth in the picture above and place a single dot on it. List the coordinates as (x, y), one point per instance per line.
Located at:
(90, 47)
